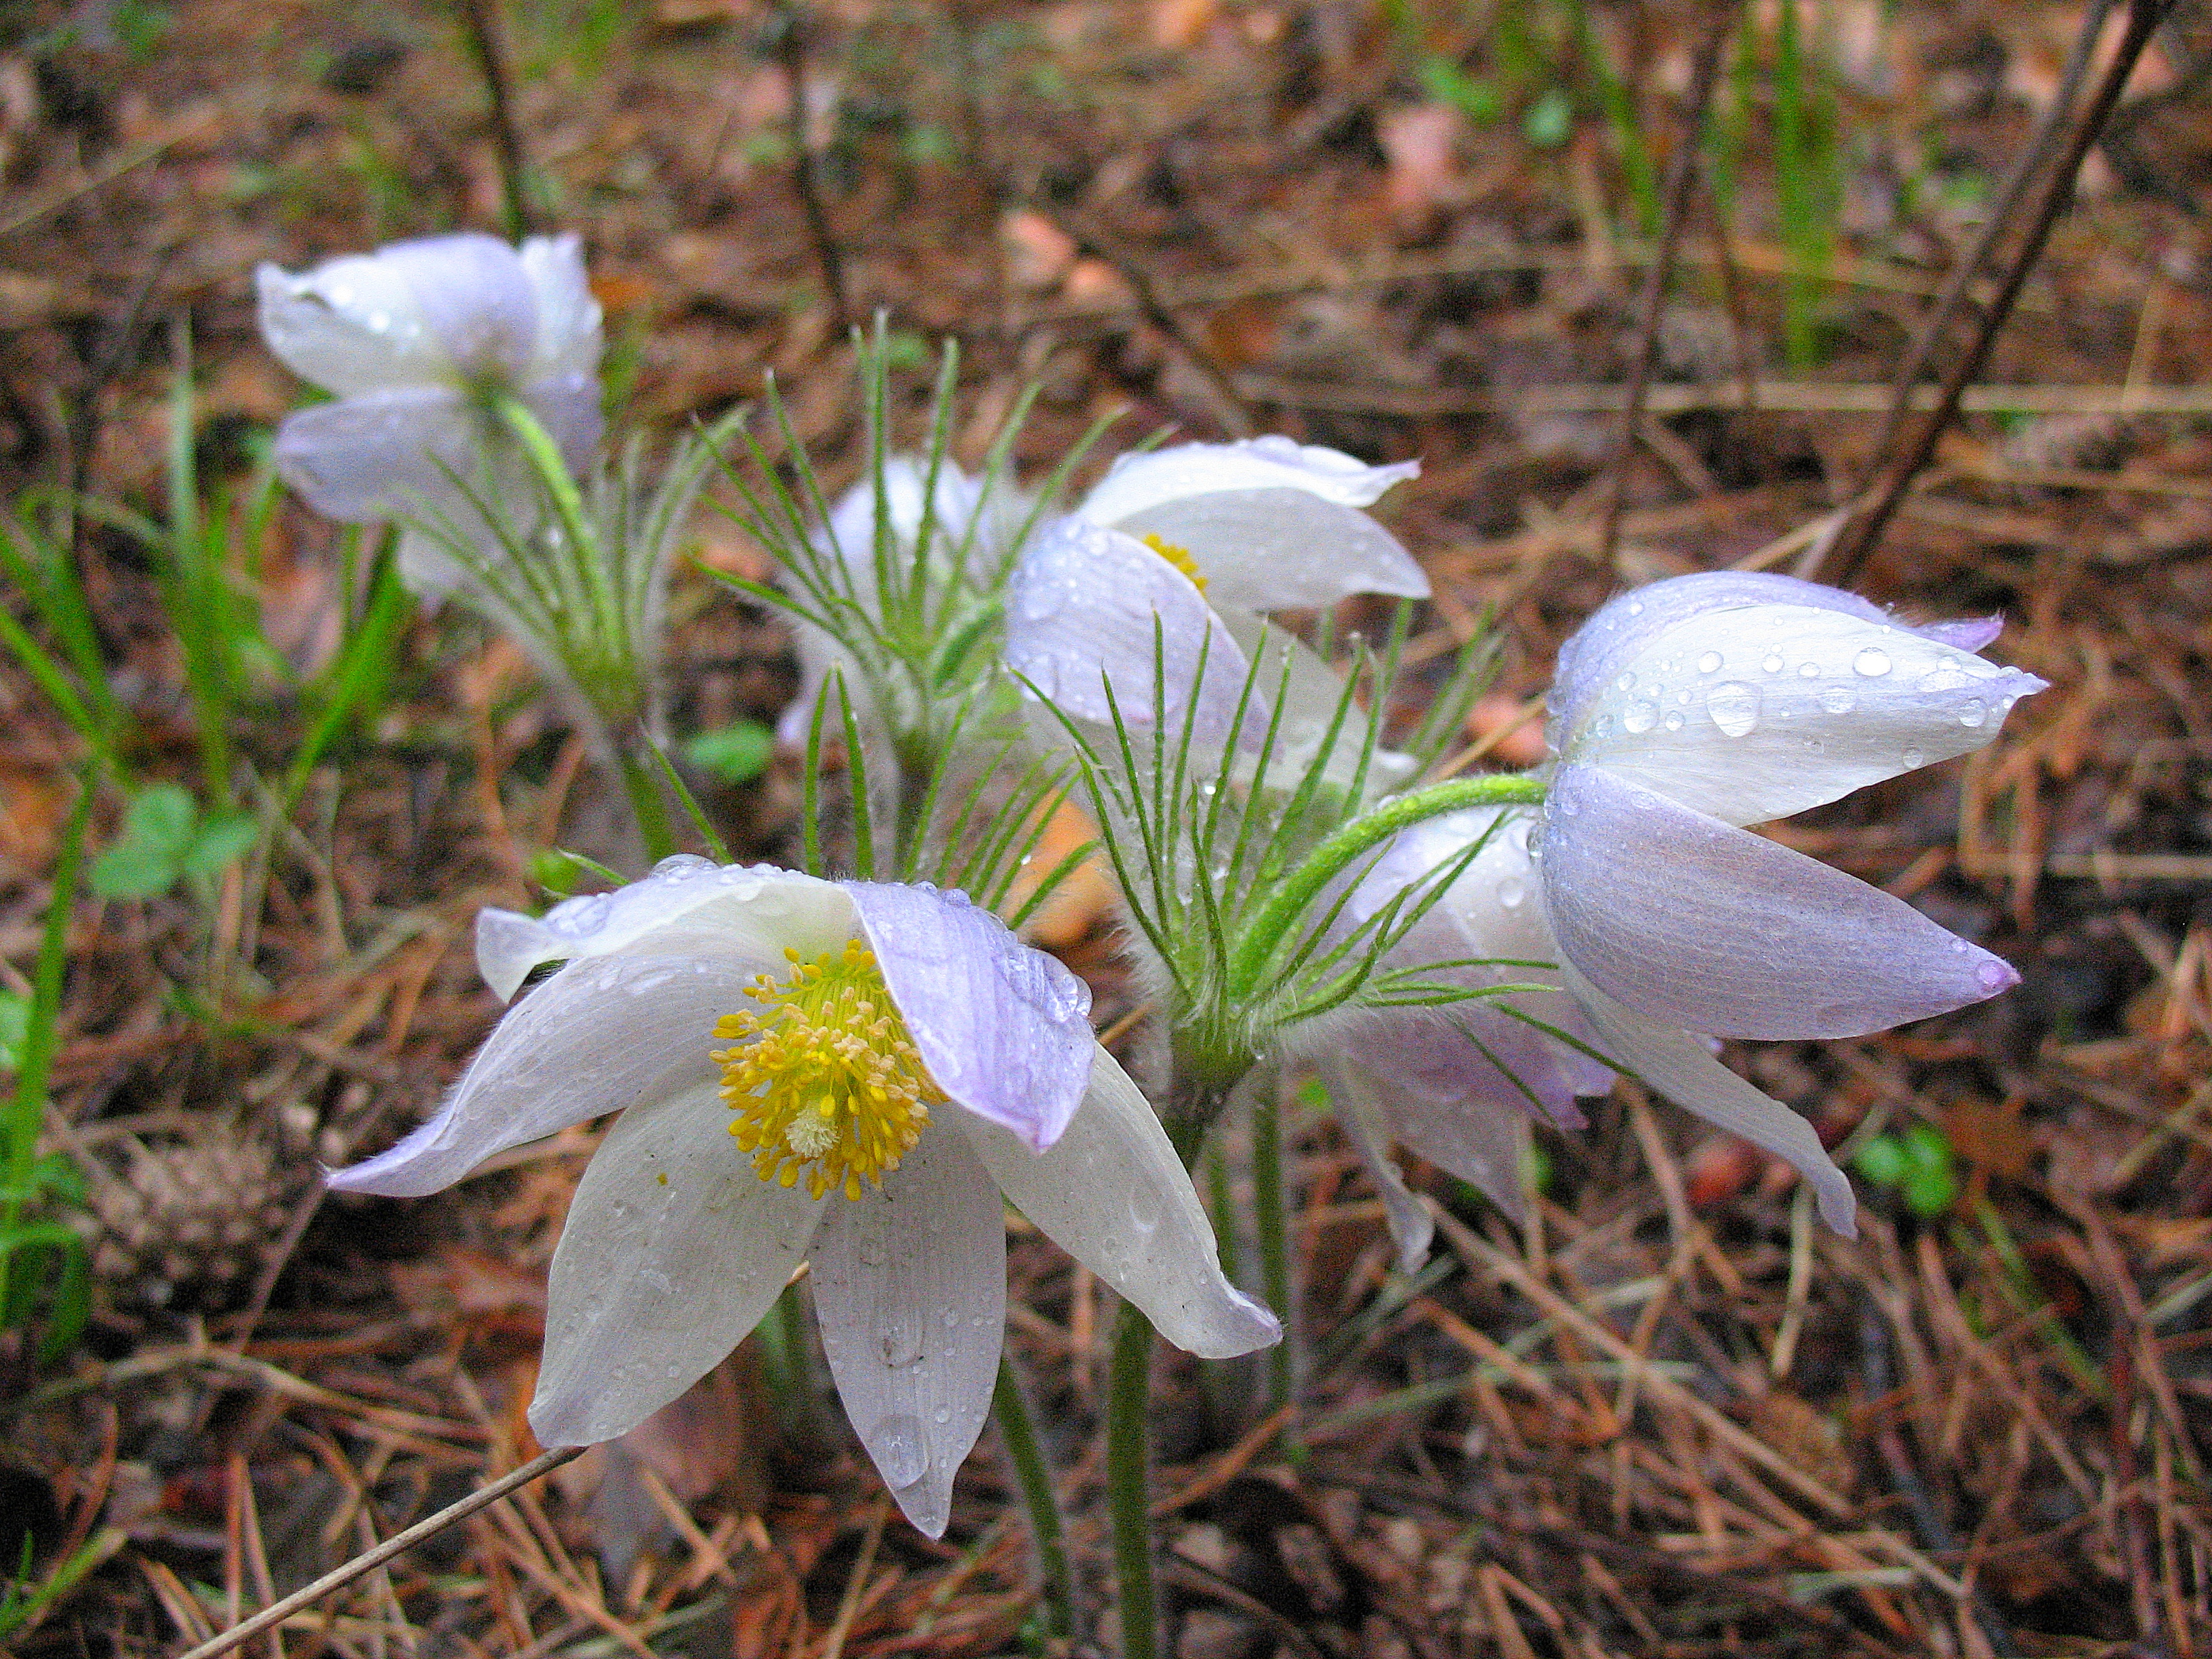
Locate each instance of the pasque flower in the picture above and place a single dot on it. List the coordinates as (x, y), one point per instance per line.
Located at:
(1687, 709)
(417, 341)
(1459, 1081)
(1197, 542)
(847, 1073)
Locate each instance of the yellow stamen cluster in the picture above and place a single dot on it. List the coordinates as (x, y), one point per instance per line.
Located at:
(1178, 556)
(824, 1077)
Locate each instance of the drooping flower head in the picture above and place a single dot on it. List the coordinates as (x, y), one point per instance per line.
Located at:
(847, 1073)
(1689, 708)
(414, 341)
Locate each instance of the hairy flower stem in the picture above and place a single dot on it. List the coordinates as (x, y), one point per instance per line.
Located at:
(1018, 1431)
(647, 805)
(1129, 1496)
(1303, 886)
(1272, 1223)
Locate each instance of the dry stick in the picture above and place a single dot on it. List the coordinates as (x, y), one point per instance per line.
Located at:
(1851, 552)
(1681, 169)
(2024, 169)
(369, 1560)
(826, 252)
(489, 47)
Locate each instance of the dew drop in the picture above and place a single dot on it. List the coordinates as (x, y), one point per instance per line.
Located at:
(1914, 760)
(943, 1414)
(1809, 671)
(895, 1444)
(1873, 662)
(1710, 663)
(1626, 681)
(1992, 976)
(1674, 720)
(1972, 712)
(1636, 607)
(1734, 706)
(1511, 892)
(900, 1342)
(1639, 716)
(1944, 677)
(1773, 663)
(1838, 699)
(1144, 1211)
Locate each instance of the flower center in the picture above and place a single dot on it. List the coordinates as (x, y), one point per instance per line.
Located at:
(1178, 556)
(824, 1077)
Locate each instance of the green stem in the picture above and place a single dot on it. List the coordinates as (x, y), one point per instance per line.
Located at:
(1299, 890)
(1128, 1497)
(647, 805)
(1273, 1224)
(1017, 1430)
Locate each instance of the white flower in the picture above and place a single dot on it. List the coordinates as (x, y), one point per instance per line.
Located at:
(413, 339)
(1458, 1083)
(1201, 539)
(1697, 705)
(847, 1073)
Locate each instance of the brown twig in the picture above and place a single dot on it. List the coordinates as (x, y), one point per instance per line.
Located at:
(1850, 551)
(1681, 169)
(338, 1577)
(792, 43)
(488, 46)
(2029, 162)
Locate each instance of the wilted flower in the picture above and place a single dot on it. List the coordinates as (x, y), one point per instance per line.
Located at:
(417, 341)
(1199, 541)
(1701, 704)
(847, 1073)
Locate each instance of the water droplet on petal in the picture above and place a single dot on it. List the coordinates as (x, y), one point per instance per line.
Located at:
(1734, 706)
(1992, 976)
(1773, 663)
(1674, 720)
(900, 1341)
(1636, 607)
(1914, 760)
(1710, 663)
(1873, 662)
(1944, 677)
(1809, 670)
(895, 1444)
(1972, 713)
(1511, 892)
(1838, 699)
(1639, 716)
(943, 1414)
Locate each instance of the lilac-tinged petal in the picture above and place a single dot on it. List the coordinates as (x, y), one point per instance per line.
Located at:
(598, 1036)
(1112, 1192)
(673, 1250)
(386, 455)
(1287, 671)
(1003, 1029)
(568, 318)
(1754, 714)
(1359, 1113)
(1481, 1139)
(445, 308)
(1676, 1064)
(1693, 922)
(910, 1288)
(1269, 549)
(751, 911)
(1968, 634)
(1087, 604)
(567, 407)
(1140, 482)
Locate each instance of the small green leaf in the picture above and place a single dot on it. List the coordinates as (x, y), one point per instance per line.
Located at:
(1447, 83)
(161, 816)
(222, 839)
(131, 870)
(15, 1022)
(1881, 1161)
(1550, 121)
(554, 871)
(736, 754)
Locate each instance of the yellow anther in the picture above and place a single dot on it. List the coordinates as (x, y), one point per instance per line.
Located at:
(824, 1077)
(1178, 556)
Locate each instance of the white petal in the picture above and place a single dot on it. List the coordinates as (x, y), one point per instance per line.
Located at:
(441, 309)
(599, 1037)
(567, 407)
(391, 454)
(910, 1287)
(1357, 1100)
(1309, 693)
(1142, 481)
(1756, 712)
(673, 1250)
(1484, 1142)
(567, 316)
(1269, 549)
(1003, 1029)
(1678, 1065)
(1087, 606)
(1113, 1194)
(754, 912)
